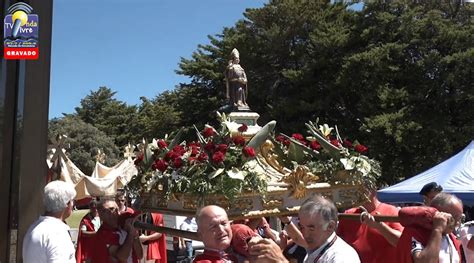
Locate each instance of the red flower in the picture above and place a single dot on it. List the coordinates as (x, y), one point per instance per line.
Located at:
(203, 157)
(160, 165)
(194, 150)
(248, 152)
(218, 157)
(178, 162)
(208, 132)
(139, 159)
(239, 140)
(315, 145)
(243, 128)
(171, 155)
(209, 147)
(298, 137)
(361, 148)
(222, 148)
(336, 143)
(280, 138)
(347, 143)
(179, 150)
(162, 144)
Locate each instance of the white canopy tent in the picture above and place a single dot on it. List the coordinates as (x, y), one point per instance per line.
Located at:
(104, 181)
(455, 175)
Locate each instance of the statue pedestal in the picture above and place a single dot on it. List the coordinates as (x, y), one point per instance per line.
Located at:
(248, 118)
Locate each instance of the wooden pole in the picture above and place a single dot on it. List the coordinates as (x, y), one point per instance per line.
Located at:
(167, 230)
(194, 235)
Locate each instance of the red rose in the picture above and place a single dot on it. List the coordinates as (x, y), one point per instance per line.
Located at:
(209, 147)
(298, 136)
(194, 150)
(280, 138)
(336, 143)
(248, 152)
(179, 150)
(222, 148)
(203, 157)
(162, 144)
(139, 159)
(178, 162)
(347, 143)
(218, 157)
(243, 128)
(361, 148)
(208, 132)
(239, 140)
(286, 142)
(315, 145)
(171, 155)
(160, 165)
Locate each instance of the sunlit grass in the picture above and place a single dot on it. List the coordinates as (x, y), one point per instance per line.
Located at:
(74, 220)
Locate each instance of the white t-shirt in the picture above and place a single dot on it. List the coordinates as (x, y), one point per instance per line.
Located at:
(338, 252)
(189, 225)
(466, 234)
(447, 253)
(48, 241)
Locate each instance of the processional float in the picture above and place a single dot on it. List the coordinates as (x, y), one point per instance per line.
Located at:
(247, 169)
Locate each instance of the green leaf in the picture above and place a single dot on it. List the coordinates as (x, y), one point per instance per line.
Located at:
(177, 139)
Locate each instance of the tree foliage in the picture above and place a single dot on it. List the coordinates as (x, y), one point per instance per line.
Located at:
(84, 141)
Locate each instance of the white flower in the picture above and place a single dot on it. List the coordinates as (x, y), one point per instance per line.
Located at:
(359, 163)
(153, 145)
(325, 129)
(349, 164)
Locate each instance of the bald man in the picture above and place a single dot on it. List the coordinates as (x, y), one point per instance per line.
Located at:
(216, 234)
(437, 244)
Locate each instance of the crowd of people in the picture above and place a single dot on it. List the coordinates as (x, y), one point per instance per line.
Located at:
(106, 232)
(430, 233)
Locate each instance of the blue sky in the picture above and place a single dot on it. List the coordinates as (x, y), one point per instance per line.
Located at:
(131, 46)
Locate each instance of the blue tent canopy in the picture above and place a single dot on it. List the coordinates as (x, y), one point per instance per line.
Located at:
(455, 175)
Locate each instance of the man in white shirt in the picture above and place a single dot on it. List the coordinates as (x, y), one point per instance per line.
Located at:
(466, 233)
(318, 222)
(189, 224)
(48, 239)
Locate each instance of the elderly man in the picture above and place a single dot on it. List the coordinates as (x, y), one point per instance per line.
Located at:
(115, 242)
(48, 239)
(429, 191)
(373, 241)
(434, 243)
(216, 234)
(318, 222)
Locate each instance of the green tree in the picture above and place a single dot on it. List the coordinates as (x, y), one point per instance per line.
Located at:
(114, 117)
(409, 80)
(84, 141)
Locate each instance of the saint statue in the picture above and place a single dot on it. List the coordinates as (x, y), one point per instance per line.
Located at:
(236, 82)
